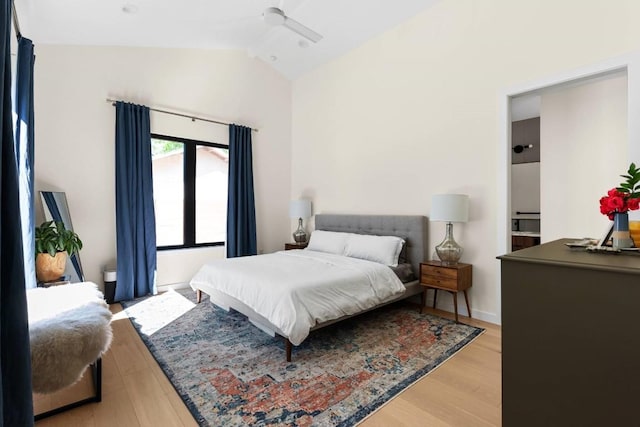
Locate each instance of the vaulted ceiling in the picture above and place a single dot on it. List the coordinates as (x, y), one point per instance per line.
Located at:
(217, 24)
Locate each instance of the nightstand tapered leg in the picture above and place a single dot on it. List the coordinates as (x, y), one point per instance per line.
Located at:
(455, 304)
(466, 299)
(435, 296)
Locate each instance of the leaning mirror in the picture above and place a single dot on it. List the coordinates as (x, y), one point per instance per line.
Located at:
(54, 204)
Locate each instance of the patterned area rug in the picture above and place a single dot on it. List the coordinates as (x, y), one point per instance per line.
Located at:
(230, 373)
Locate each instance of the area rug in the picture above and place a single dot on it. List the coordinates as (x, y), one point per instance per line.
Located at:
(230, 373)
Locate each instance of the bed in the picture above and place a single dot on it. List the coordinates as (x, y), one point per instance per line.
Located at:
(295, 279)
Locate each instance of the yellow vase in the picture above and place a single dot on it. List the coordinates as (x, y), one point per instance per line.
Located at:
(634, 230)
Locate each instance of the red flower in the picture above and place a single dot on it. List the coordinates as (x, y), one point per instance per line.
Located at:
(616, 201)
(625, 197)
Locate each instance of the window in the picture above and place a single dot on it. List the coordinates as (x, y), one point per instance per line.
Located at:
(190, 192)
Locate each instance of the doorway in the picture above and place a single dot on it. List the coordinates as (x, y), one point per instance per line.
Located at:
(628, 65)
(525, 171)
(582, 149)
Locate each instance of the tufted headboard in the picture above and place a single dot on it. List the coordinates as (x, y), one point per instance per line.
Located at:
(412, 228)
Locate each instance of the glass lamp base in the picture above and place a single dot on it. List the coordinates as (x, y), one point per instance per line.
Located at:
(449, 251)
(300, 236)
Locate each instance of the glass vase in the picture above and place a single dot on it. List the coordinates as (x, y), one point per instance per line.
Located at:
(620, 235)
(634, 230)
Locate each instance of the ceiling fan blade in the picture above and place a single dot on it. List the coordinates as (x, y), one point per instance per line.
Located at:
(305, 32)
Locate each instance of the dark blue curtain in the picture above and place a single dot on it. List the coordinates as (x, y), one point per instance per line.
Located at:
(135, 216)
(241, 213)
(16, 406)
(24, 139)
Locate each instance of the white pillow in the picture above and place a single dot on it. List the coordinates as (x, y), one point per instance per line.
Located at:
(382, 249)
(328, 241)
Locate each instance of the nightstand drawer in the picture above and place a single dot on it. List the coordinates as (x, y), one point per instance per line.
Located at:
(443, 272)
(439, 281)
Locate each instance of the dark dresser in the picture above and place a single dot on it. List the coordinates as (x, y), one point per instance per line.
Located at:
(570, 337)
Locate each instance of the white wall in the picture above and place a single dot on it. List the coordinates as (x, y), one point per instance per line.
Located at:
(415, 111)
(75, 134)
(584, 146)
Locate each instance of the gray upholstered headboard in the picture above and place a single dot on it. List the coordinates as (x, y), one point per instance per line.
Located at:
(412, 228)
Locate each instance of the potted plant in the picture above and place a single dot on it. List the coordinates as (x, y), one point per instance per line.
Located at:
(53, 244)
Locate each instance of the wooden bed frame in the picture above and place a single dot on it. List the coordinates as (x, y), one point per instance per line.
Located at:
(412, 228)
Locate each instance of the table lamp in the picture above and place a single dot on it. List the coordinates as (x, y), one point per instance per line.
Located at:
(300, 208)
(449, 208)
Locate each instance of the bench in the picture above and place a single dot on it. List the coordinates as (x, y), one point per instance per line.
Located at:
(69, 330)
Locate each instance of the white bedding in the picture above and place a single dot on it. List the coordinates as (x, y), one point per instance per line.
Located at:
(296, 289)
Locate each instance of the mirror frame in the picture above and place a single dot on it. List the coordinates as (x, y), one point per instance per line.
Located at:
(55, 207)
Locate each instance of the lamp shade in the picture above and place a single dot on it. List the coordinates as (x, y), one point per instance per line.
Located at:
(450, 208)
(300, 208)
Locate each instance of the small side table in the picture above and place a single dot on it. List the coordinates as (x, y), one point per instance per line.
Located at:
(54, 283)
(451, 278)
(289, 246)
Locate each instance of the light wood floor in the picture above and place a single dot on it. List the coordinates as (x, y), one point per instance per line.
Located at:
(464, 391)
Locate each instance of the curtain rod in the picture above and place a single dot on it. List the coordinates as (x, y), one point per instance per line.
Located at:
(188, 116)
(16, 24)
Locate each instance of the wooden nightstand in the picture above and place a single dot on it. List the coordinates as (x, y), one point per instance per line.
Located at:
(289, 246)
(450, 278)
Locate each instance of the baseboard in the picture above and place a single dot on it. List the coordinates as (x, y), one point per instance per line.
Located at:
(462, 309)
(169, 286)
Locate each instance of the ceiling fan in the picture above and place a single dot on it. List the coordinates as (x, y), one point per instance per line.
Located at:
(275, 16)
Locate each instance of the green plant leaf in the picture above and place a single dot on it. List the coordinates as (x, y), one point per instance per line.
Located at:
(53, 237)
(51, 248)
(631, 180)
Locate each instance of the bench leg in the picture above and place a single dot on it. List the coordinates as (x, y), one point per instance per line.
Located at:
(96, 371)
(97, 379)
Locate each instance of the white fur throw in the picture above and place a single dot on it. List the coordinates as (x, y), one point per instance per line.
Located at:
(69, 328)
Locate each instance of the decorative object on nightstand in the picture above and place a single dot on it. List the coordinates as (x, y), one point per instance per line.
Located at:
(449, 208)
(300, 208)
(451, 278)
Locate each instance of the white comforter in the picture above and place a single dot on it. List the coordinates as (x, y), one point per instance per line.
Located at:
(296, 289)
